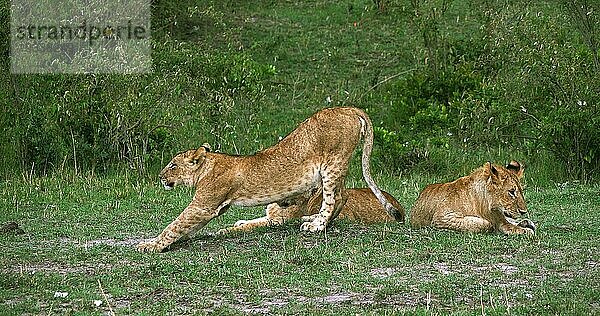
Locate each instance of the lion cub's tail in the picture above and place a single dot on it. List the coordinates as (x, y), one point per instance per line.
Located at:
(367, 131)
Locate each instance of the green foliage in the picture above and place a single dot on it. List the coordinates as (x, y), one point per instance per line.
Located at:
(390, 147)
(99, 122)
(547, 79)
(428, 17)
(426, 114)
(477, 76)
(525, 80)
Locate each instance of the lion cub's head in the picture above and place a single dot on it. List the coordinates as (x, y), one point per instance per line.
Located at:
(504, 188)
(182, 169)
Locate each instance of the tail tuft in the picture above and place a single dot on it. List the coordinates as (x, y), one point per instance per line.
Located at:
(395, 213)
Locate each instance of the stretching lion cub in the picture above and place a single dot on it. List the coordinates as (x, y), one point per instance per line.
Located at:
(361, 206)
(489, 199)
(315, 155)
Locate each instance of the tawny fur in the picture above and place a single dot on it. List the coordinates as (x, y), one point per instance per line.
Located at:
(315, 155)
(361, 206)
(489, 199)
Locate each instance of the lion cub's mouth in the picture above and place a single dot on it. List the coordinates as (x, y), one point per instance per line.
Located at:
(167, 185)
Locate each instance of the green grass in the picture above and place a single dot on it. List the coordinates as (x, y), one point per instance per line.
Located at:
(82, 232)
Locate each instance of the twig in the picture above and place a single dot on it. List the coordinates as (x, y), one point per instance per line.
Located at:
(386, 80)
(524, 112)
(105, 298)
(135, 125)
(428, 300)
(506, 300)
(74, 152)
(159, 126)
(481, 300)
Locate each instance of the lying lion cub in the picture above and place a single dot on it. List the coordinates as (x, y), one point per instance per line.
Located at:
(361, 206)
(489, 199)
(315, 155)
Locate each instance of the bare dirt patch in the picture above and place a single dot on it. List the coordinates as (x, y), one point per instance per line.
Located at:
(275, 300)
(382, 273)
(62, 268)
(11, 228)
(127, 242)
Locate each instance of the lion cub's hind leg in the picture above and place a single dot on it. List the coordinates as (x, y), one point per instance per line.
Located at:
(276, 215)
(454, 221)
(333, 200)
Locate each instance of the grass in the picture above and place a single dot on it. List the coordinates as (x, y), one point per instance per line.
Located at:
(81, 234)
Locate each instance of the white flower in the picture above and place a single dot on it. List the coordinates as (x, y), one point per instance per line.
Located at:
(97, 303)
(61, 294)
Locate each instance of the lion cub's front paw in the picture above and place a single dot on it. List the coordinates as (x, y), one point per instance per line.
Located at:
(529, 232)
(226, 231)
(524, 231)
(148, 246)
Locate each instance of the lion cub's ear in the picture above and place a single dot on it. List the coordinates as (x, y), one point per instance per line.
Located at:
(516, 168)
(490, 171)
(198, 155)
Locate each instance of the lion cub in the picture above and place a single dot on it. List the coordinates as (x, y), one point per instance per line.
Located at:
(361, 206)
(489, 199)
(314, 155)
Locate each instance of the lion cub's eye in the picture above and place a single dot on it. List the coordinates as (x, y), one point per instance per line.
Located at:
(512, 193)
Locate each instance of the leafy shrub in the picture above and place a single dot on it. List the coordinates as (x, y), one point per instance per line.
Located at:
(527, 82)
(547, 79)
(424, 114)
(98, 122)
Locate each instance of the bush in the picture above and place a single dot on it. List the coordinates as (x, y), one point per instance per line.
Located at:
(423, 116)
(527, 82)
(101, 122)
(547, 79)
